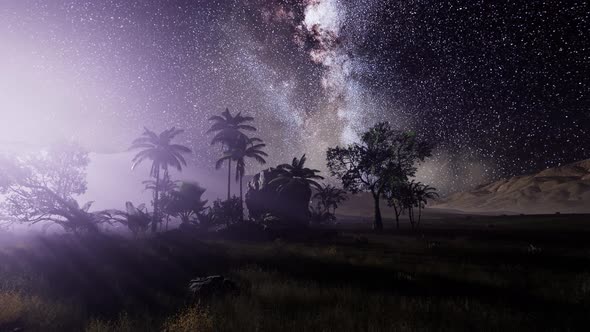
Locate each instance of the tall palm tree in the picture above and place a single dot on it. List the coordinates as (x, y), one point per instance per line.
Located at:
(244, 148)
(296, 174)
(228, 129)
(163, 153)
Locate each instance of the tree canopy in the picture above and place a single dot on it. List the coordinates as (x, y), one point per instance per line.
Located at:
(383, 157)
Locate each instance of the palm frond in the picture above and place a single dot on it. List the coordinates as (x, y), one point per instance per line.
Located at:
(137, 162)
(152, 135)
(180, 148)
(220, 161)
(257, 147)
(301, 161)
(216, 118)
(315, 184)
(179, 157)
(259, 159)
(139, 145)
(255, 140)
(246, 127)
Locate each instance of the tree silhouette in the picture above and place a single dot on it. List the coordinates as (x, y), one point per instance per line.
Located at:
(395, 195)
(228, 129)
(186, 202)
(137, 219)
(227, 211)
(160, 150)
(42, 187)
(417, 195)
(383, 157)
(242, 149)
(296, 174)
(329, 197)
(167, 187)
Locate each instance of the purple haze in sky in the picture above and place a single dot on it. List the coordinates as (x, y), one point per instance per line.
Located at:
(501, 88)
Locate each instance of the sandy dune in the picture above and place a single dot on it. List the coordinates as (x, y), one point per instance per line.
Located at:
(563, 189)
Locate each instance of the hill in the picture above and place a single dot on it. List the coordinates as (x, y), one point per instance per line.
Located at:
(564, 189)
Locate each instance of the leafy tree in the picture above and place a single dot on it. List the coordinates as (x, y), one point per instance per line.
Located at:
(395, 195)
(41, 188)
(187, 203)
(163, 153)
(244, 148)
(383, 157)
(295, 174)
(228, 129)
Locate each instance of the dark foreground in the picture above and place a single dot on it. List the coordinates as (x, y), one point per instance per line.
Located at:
(467, 274)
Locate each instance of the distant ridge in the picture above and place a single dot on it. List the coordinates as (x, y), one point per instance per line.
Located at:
(564, 189)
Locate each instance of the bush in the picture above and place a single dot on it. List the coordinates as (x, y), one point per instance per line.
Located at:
(227, 212)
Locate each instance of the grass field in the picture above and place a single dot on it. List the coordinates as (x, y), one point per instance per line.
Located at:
(464, 273)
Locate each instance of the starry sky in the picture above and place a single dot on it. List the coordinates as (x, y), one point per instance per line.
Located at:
(501, 87)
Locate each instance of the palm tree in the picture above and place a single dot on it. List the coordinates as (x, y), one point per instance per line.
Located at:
(244, 148)
(160, 150)
(329, 197)
(296, 174)
(228, 129)
(167, 187)
(423, 193)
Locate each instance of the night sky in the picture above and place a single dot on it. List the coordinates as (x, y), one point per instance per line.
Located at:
(502, 87)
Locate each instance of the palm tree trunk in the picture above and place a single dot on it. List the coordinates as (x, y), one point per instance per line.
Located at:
(156, 202)
(228, 178)
(241, 198)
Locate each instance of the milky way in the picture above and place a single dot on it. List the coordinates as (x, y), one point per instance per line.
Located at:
(502, 88)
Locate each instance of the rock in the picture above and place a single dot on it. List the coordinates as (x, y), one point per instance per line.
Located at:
(205, 288)
(291, 206)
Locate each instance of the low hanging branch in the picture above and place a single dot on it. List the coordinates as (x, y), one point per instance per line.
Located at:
(41, 188)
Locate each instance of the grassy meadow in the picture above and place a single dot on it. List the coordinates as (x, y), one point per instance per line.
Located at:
(463, 274)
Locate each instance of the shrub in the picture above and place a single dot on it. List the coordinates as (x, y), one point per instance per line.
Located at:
(228, 211)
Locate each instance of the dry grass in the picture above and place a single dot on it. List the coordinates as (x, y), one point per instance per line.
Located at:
(394, 282)
(34, 313)
(191, 319)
